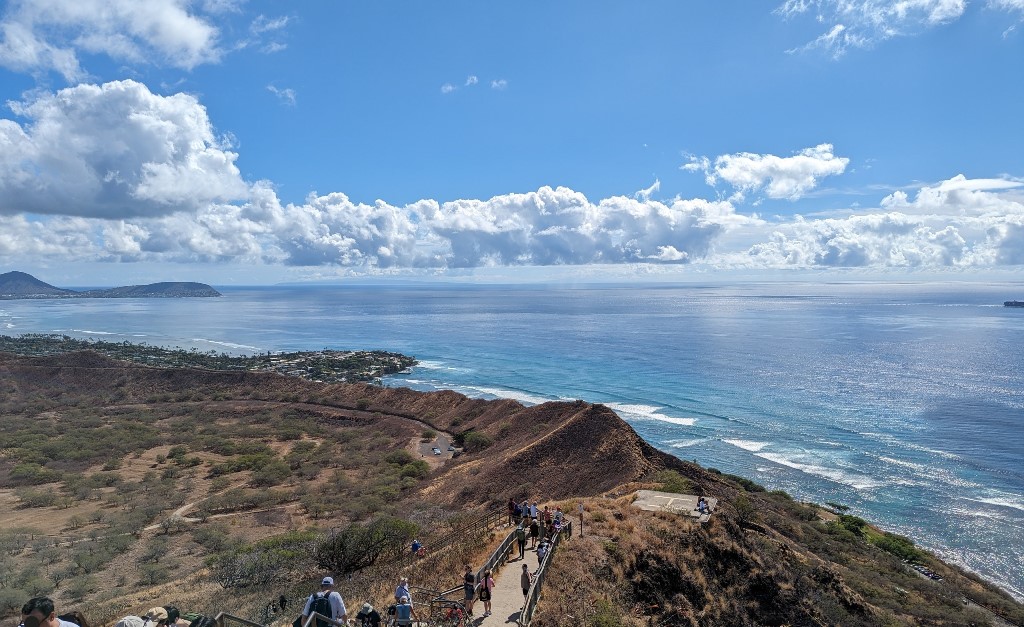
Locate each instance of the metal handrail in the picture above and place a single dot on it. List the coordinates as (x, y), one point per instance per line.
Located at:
(311, 620)
(533, 595)
(223, 616)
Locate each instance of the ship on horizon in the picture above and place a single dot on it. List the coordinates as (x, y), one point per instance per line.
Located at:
(1014, 303)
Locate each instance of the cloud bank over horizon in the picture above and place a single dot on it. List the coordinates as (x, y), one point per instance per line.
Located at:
(114, 172)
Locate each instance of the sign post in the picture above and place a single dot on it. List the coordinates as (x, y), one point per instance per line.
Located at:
(581, 519)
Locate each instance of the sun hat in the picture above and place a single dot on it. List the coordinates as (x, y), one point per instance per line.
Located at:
(155, 616)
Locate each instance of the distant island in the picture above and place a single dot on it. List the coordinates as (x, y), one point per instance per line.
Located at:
(19, 285)
(1014, 303)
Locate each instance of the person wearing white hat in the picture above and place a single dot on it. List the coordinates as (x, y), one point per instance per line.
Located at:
(328, 599)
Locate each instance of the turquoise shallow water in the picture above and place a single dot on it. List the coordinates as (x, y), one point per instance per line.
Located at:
(905, 402)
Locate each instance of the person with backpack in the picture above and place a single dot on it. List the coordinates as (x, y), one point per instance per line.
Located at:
(486, 588)
(521, 540)
(327, 602)
(404, 613)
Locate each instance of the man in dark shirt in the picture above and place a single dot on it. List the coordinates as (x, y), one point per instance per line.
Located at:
(367, 616)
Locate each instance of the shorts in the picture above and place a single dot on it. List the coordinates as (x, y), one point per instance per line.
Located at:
(468, 592)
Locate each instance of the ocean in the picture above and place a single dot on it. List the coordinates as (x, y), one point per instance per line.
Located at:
(904, 401)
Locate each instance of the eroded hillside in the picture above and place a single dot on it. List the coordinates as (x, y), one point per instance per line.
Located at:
(132, 484)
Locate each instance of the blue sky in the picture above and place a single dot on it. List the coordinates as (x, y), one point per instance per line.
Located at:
(252, 142)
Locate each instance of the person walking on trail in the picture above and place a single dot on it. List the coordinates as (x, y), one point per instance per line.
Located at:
(327, 602)
(533, 511)
(404, 613)
(403, 590)
(367, 616)
(521, 540)
(526, 580)
(511, 511)
(542, 550)
(468, 589)
(486, 587)
(534, 532)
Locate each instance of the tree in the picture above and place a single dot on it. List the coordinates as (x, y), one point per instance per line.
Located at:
(358, 546)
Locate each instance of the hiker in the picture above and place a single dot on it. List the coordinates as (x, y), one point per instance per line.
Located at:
(327, 602)
(534, 512)
(547, 515)
(403, 590)
(511, 511)
(468, 588)
(40, 610)
(517, 513)
(558, 514)
(367, 616)
(404, 613)
(156, 617)
(486, 587)
(521, 540)
(526, 580)
(416, 546)
(542, 550)
(534, 532)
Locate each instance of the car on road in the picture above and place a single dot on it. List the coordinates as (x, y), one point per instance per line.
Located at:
(436, 450)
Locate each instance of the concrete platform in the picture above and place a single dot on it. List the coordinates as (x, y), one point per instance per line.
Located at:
(684, 504)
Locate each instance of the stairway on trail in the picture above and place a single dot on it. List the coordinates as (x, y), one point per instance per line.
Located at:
(507, 598)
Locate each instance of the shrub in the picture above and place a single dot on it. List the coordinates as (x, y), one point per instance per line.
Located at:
(746, 484)
(672, 481)
(358, 546)
(853, 524)
(417, 469)
(474, 441)
(362, 403)
(428, 435)
(899, 546)
(400, 457)
(272, 474)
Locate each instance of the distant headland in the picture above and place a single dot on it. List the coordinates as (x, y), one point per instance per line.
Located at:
(19, 285)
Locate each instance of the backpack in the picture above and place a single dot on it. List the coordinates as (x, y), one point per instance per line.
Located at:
(322, 605)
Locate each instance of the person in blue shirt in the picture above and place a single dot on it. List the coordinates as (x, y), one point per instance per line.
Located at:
(404, 614)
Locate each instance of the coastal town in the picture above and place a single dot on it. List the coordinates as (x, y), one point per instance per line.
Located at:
(322, 366)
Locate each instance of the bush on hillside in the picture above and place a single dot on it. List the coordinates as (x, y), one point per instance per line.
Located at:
(357, 546)
(474, 441)
(672, 481)
(899, 546)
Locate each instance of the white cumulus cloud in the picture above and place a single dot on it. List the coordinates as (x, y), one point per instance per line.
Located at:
(49, 35)
(113, 150)
(779, 177)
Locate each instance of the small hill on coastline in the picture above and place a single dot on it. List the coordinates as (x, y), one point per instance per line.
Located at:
(145, 486)
(19, 285)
